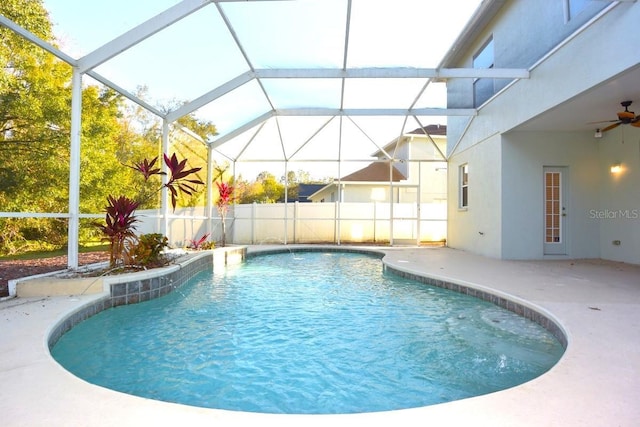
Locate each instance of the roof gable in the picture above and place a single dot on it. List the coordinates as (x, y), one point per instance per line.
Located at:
(375, 172)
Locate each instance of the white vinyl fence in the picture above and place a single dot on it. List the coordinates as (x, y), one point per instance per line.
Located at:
(307, 223)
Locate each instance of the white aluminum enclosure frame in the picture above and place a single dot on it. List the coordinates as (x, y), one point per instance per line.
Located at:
(87, 64)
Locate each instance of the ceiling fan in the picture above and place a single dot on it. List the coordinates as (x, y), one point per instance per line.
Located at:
(625, 117)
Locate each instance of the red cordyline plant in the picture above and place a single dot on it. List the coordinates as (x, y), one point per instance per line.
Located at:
(120, 212)
(179, 180)
(120, 226)
(225, 198)
(200, 243)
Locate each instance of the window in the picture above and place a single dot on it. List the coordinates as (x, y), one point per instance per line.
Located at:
(483, 89)
(575, 6)
(463, 199)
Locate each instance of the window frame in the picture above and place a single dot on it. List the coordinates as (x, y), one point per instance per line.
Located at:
(463, 186)
(573, 8)
(484, 58)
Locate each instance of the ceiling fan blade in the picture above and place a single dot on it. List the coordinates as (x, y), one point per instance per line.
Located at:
(610, 127)
(601, 121)
(635, 124)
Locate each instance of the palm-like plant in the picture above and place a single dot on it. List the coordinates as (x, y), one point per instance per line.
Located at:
(179, 180)
(225, 198)
(120, 226)
(120, 212)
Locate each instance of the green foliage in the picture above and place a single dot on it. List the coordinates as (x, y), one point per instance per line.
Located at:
(20, 236)
(34, 115)
(147, 250)
(265, 189)
(35, 101)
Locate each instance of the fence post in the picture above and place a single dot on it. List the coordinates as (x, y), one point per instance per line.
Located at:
(254, 207)
(336, 226)
(295, 221)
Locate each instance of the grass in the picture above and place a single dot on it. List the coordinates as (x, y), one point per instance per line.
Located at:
(57, 252)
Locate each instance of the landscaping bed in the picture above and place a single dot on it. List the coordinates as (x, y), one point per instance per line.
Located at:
(15, 269)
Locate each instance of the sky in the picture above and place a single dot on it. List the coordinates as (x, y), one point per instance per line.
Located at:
(198, 54)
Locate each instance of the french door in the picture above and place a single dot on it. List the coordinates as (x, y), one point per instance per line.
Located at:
(555, 211)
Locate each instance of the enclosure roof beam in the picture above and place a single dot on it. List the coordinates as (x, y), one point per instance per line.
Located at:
(320, 112)
(140, 33)
(5, 22)
(210, 96)
(376, 112)
(355, 73)
(238, 131)
(126, 94)
(402, 72)
(143, 31)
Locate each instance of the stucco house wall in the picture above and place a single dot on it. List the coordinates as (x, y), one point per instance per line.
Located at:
(524, 156)
(505, 214)
(523, 32)
(505, 165)
(618, 214)
(478, 227)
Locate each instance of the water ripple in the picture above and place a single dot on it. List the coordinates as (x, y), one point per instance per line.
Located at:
(308, 333)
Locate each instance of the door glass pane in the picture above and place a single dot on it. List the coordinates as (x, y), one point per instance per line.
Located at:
(552, 207)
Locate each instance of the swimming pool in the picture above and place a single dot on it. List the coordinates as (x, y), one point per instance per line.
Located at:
(308, 332)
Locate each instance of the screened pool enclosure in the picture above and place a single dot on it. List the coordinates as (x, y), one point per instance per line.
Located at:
(327, 87)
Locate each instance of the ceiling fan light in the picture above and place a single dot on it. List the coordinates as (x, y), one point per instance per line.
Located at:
(598, 134)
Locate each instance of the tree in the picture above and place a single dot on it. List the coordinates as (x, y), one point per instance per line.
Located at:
(34, 128)
(272, 190)
(35, 120)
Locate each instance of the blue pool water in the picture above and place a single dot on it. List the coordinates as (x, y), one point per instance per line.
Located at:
(308, 332)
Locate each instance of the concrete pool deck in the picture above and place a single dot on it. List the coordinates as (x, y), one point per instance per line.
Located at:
(596, 383)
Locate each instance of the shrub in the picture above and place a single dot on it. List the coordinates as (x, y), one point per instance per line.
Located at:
(147, 250)
(120, 219)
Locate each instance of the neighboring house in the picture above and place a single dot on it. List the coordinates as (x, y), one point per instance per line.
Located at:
(528, 176)
(306, 190)
(417, 172)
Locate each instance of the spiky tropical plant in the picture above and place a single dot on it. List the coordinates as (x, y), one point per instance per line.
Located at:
(179, 180)
(225, 198)
(146, 168)
(201, 243)
(120, 212)
(120, 225)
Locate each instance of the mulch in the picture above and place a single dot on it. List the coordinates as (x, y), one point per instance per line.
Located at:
(15, 269)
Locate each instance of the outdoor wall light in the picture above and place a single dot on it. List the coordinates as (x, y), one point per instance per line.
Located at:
(598, 134)
(616, 168)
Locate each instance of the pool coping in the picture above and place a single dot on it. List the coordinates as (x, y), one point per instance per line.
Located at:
(596, 302)
(133, 288)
